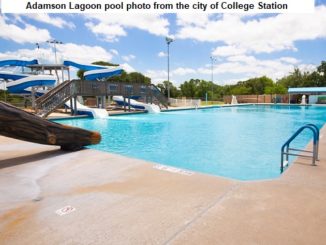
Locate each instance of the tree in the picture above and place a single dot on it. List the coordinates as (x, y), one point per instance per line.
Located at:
(136, 77)
(104, 63)
(80, 74)
(275, 89)
(189, 89)
(174, 92)
(322, 69)
(239, 90)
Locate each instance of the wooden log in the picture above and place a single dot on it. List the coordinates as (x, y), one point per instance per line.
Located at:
(22, 125)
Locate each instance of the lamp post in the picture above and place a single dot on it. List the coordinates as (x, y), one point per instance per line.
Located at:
(168, 42)
(54, 42)
(213, 59)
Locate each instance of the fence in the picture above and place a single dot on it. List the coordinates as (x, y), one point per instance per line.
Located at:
(264, 98)
(184, 102)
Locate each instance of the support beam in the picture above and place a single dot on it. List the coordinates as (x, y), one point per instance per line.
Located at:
(75, 105)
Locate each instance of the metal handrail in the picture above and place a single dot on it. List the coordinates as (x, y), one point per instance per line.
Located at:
(52, 91)
(317, 131)
(63, 92)
(285, 150)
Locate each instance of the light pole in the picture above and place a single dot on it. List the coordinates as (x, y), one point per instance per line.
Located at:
(54, 42)
(213, 59)
(168, 42)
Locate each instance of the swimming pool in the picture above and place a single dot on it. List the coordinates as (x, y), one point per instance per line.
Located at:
(241, 142)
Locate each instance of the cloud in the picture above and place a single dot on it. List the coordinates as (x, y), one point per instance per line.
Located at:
(115, 26)
(79, 53)
(25, 34)
(193, 19)
(83, 53)
(250, 66)
(127, 67)
(228, 50)
(107, 32)
(157, 76)
(51, 20)
(114, 51)
(176, 75)
(162, 54)
(128, 58)
(233, 69)
(290, 60)
(260, 34)
(181, 71)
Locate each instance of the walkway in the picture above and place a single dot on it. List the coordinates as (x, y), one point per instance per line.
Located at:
(119, 200)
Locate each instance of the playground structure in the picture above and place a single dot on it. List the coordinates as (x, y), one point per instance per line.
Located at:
(57, 91)
(54, 91)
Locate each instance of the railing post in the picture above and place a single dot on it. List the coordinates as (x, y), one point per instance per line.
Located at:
(282, 160)
(314, 152)
(317, 132)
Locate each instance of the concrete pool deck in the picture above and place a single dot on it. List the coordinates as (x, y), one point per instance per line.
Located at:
(120, 200)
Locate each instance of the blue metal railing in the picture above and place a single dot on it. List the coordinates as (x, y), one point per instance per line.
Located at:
(287, 151)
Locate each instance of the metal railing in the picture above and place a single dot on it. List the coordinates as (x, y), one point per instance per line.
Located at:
(185, 102)
(286, 151)
(63, 92)
(55, 98)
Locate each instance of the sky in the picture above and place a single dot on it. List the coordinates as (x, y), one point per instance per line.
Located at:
(242, 46)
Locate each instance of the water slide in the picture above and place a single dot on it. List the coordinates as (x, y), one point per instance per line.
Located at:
(19, 83)
(93, 72)
(84, 110)
(150, 108)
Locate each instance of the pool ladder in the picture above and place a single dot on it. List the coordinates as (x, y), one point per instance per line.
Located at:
(286, 151)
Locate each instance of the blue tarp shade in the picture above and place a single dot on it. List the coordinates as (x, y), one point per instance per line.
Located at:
(17, 62)
(308, 90)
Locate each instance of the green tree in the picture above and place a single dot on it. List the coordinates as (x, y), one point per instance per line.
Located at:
(174, 92)
(189, 89)
(275, 89)
(322, 69)
(80, 74)
(240, 89)
(104, 63)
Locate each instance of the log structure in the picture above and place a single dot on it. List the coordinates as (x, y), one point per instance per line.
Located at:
(22, 125)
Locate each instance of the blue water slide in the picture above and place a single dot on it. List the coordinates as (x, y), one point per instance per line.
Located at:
(93, 72)
(150, 108)
(17, 62)
(11, 76)
(20, 83)
(103, 73)
(83, 67)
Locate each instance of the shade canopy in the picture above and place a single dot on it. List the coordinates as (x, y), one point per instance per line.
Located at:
(307, 90)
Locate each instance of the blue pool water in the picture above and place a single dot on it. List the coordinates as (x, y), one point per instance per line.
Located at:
(241, 142)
